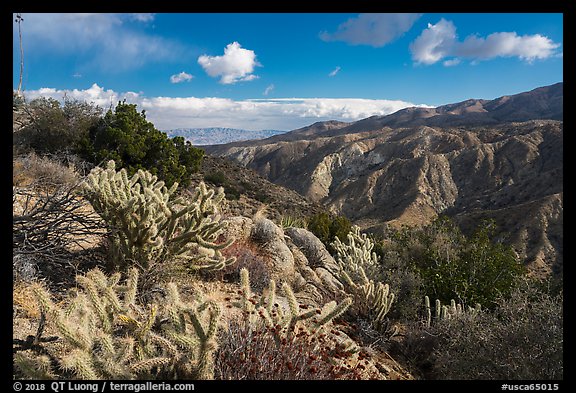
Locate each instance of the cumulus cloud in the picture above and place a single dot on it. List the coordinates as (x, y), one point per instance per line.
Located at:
(440, 41)
(372, 29)
(109, 41)
(181, 77)
(236, 65)
(334, 72)
(435, 42)
(252, 114)
(508, 44)
(268, 89)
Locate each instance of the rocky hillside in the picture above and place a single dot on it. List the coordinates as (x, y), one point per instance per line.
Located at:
(248, 193)
(305, 274)
(402, 169)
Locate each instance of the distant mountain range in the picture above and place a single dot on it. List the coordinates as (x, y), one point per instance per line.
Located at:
(219, 135)
(500, 159)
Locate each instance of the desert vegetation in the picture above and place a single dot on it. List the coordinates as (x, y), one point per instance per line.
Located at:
(126, 269)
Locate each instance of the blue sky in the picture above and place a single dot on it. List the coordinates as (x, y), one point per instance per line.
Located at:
(284, 71)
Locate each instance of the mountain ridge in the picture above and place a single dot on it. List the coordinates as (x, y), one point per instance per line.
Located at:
(477, 163)
(540, 103)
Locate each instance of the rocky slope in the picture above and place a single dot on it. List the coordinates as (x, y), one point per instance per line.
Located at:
(248, 193)
(406, 169)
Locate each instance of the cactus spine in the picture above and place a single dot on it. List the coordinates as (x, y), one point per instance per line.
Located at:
(149, 225)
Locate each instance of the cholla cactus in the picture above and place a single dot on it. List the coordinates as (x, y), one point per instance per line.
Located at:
(148, 226)
(359, 272)
(356, 256)
(444, 312)
(107, 334)
(287, 322)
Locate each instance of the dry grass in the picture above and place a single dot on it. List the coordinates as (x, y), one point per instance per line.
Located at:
(33, 170)
(24, 301)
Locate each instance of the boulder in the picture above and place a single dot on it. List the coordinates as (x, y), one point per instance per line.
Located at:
(271, 238)
(313, 249)
(238, 228)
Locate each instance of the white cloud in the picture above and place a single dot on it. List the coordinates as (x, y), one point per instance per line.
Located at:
(334, 72)
(435, 42)
(252, 114)
(440, 41)
(372, 29)
(236, 65)
(508, 44)
(268, 89)
(181, 77)
(109, 41)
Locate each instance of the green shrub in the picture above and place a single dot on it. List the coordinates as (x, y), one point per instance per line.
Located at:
(471, 269)
(262, 196)
(126, 137)
(232, 193)
(406, 283)
(123, 135)
(217, 178)
(327, 228)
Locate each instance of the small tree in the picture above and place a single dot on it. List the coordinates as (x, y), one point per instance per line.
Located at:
(49, 127)
(125, 136)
